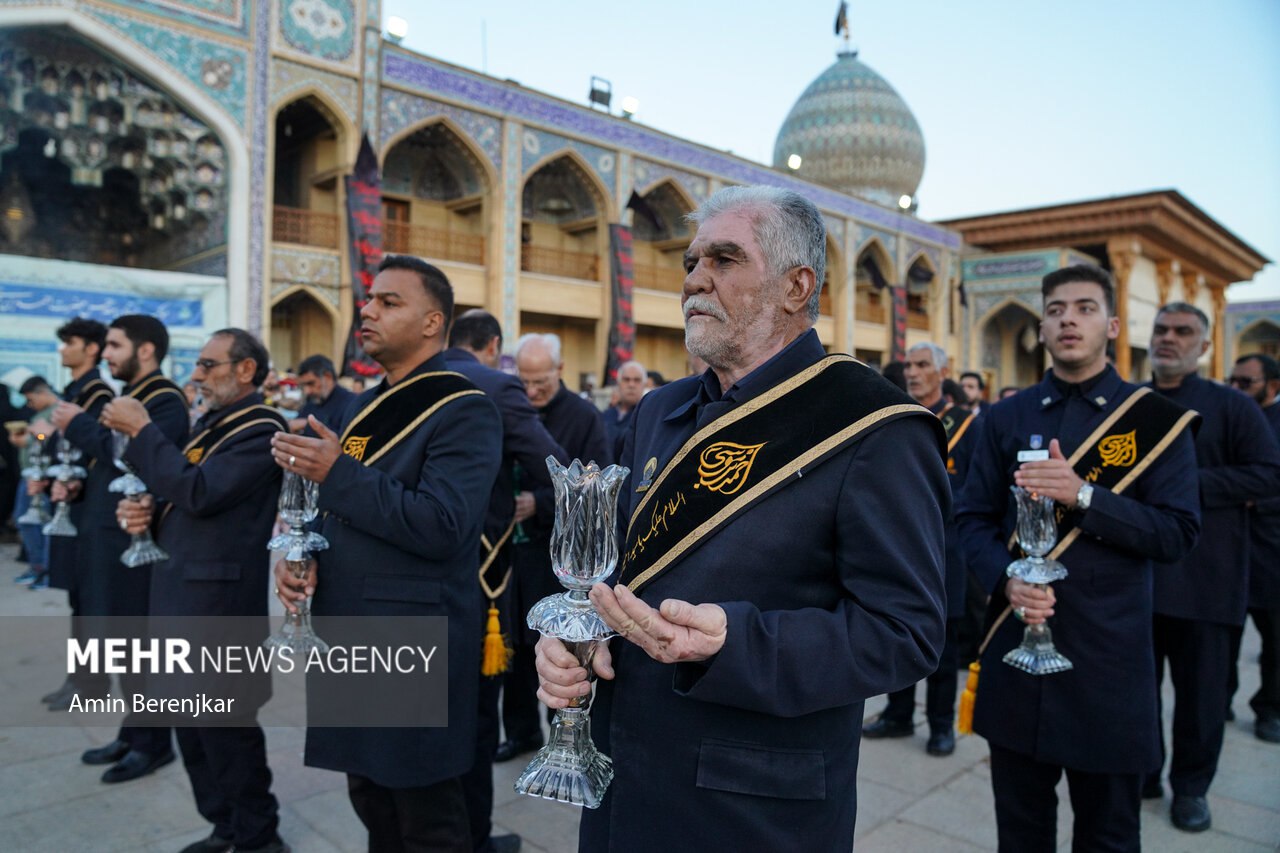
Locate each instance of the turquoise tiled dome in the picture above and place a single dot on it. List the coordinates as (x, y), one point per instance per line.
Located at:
(854, 133)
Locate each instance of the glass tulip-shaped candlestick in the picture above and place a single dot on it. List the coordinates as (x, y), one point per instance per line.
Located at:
(299, 505)
(584, 551)
(1037, 534)
(142, 548)
(65, 471)
(36, 470)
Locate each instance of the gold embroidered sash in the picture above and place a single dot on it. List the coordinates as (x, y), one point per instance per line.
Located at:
(753, 451)
(394, 415)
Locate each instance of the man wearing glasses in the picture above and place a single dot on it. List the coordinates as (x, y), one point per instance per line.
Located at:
(576, 425)
(217, 505)
(1200, 600)
(1258, 376)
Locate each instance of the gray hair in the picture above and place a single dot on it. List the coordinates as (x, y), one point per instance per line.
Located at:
(550, 341)
(939, 354)
(632, 363)
(787, 226)
(1187, 308)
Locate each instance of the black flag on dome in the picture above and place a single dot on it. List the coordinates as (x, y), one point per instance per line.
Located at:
(842, 17)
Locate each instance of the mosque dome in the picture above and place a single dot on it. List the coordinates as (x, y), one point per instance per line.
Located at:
(855, 134)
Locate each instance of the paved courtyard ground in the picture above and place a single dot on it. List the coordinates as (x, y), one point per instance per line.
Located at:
(907, 800)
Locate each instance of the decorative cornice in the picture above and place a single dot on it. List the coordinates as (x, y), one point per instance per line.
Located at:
(1169, 226)
(428, 76)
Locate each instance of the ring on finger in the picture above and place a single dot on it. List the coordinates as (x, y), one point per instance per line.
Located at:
(1021, 613)
(292, 460)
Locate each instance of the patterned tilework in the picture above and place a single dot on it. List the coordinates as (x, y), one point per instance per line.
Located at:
(25, 358)
(935, 257)
(289, 78)
(298, 266)
(512, 180)
(227, 16)
(193, 58)
(372, 50)
(647, 173)
(890, 242)
(835, 229)
(401, 111)
(182, 363)
(258, 172)
(33, 300)
(215, 264)
(524, 105)
(1242, 314)
(328, 293)
(322, 28)
(536, 145)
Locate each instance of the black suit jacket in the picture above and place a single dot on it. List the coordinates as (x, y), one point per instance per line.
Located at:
(1237, 462)
(64, 551)
(404, 538)
(1099, 717)
(833, 588)
(107, 586)
(214, 519)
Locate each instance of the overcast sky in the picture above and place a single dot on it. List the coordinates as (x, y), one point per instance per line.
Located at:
(1022, 102)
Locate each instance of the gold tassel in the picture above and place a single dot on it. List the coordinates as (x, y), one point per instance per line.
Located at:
(496, 654)
(964, 720)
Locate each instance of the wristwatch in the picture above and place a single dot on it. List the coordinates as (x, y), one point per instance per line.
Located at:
(1084, 497)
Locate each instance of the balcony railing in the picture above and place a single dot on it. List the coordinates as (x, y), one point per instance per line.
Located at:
(423, 241)
(870, 312)
(659, 278)
(917, 320)
(309, 227)
(559, 262)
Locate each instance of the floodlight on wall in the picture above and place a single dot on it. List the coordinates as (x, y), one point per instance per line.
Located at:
(397, 28)
(601, 93)
(630, 106)
(904, 202)
(794, 161)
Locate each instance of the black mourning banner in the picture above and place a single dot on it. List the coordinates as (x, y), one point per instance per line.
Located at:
(364, 229)
(622, 331)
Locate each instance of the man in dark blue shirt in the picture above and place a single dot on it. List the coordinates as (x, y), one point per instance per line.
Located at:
(1258, 376)
(576, 425)
(403, 489)
(925, 372)
(783, 563)
(1098, 721)
(475, 347)
(1201, 599)
(326, 399)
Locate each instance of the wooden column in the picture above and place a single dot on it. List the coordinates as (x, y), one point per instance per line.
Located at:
(1122, 254)
(1218, 293)
(1167, 272)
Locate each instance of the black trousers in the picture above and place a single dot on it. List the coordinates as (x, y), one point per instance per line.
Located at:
(520, 705)
(1199, 655)
(940, 689)
(1266, 702)
(1106, 806)
(477, 783)
(432, 819)
(231, 782)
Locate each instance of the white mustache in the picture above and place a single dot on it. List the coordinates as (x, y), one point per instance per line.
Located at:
(705, 306)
